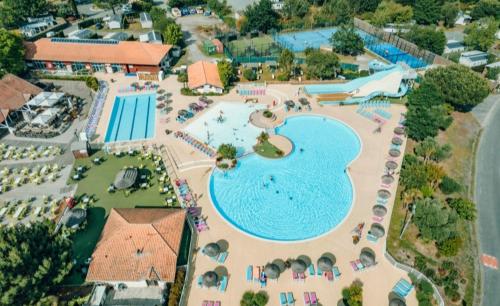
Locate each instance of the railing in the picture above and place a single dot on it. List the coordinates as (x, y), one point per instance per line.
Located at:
(417, 273)
(96, 111)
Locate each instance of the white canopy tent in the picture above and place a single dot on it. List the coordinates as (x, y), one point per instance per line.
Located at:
(46, 99)
(45, 117)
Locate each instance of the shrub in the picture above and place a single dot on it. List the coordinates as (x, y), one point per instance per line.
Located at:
(267, 113)
(450, 247)
(182, 77)
(283, 77)
(251, 298)
(449, 185)
(353, 294)
(465, 208)
(227, 151)
(187, 92)
(250, 74)
(92, 83)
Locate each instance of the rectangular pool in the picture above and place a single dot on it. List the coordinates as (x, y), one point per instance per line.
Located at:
(132, 118)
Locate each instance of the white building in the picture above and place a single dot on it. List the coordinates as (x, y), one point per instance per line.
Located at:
(146, 21)
(120, 36)
(463, 19)
(152, 37)
(114, 21)
(453, 46)
(36, 25)
(473, 58)
(81, 34)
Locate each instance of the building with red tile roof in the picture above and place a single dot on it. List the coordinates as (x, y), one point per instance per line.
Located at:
(138, 247)
(203, 77)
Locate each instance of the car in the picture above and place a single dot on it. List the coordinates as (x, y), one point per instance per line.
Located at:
(207, 13)
(184, 11)
(192, 11)
(98, 26)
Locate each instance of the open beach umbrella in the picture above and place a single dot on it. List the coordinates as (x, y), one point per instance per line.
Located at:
(212, 249)
(289, 103)
(125, 178)
(303, 101)
(160, 98)
(193, 105)
(391, 165)
(394, 152)
(397, 141)
(182, 112)
(272, 271)
(399, 130)
(210, 279)
(377, 230)
(387, 179)
(384, 193)
(367, 257)
(396, 302)
(325, 264)
(298, 266)
(379, 210)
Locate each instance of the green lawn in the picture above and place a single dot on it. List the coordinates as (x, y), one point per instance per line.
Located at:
(267, 149)
(95, 183)
(256, 42)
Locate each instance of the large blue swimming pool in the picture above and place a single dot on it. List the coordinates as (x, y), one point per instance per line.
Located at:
(132, 118)
(301, 196)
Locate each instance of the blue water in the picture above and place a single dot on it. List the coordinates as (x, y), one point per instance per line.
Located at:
(299, 41)
(309, 193)
(132, 118)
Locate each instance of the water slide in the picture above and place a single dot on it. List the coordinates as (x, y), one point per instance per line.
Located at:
(403, 89)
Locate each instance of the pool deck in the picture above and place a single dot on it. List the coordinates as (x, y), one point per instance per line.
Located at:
(244, 250)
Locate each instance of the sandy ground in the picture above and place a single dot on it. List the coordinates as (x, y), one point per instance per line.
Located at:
(245, 250)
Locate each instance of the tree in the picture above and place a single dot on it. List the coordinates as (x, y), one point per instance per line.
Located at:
(19, 10)
(481, 35)
(426, 11)
(263, 137)
(220, 8)
(427, 38)
(434, 221)
(459, 86)
(11, 53)
(260, 16)
(173, 35)
(449, 12)
(347, 41)
(486, 8)
(427, 113)
(286, 61)
(74, 8)
(337, 12)
(109, 4)
(465, 208)
(33, 260)
(227, 151)
(449, 185)
(295, 8)
(353, 295)
(363, 6)
(430, 150)
(450, 246)
(226, 73)
(389, 11)
(321, 65)
(254, 299)
(250, 74)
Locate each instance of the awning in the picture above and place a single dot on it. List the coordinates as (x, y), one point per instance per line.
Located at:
(45, 117)
(46, 99)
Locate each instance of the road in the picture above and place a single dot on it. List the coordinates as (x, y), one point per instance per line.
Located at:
(488, 198)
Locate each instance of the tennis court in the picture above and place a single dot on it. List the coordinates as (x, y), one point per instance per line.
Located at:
(299, 41)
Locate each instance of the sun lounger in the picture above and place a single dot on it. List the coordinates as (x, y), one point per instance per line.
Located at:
(377, 219)
(329, 276)
(222, 257)
(302, 276)
(295, 276)
(336, 272)
(371, 238)
(385, 186)
(217, 303)
(314, 299)
(359, 265)
(249, 273)
(319, 272)
(210, 303)
(200, 281)
(354, 265)
(223, 284)
(307, 299)
(311, 270)
(291, 299)
(204, 303)
(256, 273)
(283, 299)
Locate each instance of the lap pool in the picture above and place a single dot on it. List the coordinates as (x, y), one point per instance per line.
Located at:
(132, 118)
(299, 197)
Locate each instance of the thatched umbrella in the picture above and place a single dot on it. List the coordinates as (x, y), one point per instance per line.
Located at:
(125, 178)
(377, 230)
(303, 101)
(289, 103)
(397, 141)
(391, 165)
(212, 249)
(325, 264)
(210, 279)
(182, 112)
(160, 98)
(399, 130)
(272, 271)
(384, 194)
(367, 257)
(396, 302)
(379, 210)
(387, 179)
(74, 217)
(394, 152)
(298, 266)
(193, 105)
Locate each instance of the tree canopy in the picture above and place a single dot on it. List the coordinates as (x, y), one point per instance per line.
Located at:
(430, 150)
(173, 35)
(353, 295)
(481, 34)
(251, 298)
(427, 11)
(260, 16)
(226, 73)
(16, 11)
(427, 113)
(389, 11)
(286, 60)
(32, 261)
(109, 4)
(435, 221)
(449, 12)
(321, 65)
(459, 86)
(486, 8)
(295, 8)
(337, 11)
(11, 53)
(465, 208)
(363, 6)
(227, 150)
(427, 38)
(347, 41)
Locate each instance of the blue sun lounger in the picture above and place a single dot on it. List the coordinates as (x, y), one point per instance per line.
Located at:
(283, 299)
(222, 257)
(371, 238)
(402, 288)
(311, 270)
(319, 272)
(249, 273)
(223, 284)
(291, 299)
(336, 272)
(200, 281)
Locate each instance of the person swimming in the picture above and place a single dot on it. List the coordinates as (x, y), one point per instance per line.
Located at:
(271, 178)
(301, 150)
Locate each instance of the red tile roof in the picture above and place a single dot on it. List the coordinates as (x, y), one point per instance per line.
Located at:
(202, 73)
(124, 52)
(14, 93)
(138, 244)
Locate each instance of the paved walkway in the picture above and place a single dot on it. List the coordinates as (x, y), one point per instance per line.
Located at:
(193, 36)
(488, 193)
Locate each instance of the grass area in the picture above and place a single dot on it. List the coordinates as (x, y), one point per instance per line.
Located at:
(95, 183)
(267, 149)
(462, 136)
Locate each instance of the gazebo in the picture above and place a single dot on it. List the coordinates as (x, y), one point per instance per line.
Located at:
(125, 178)
(72, 218)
